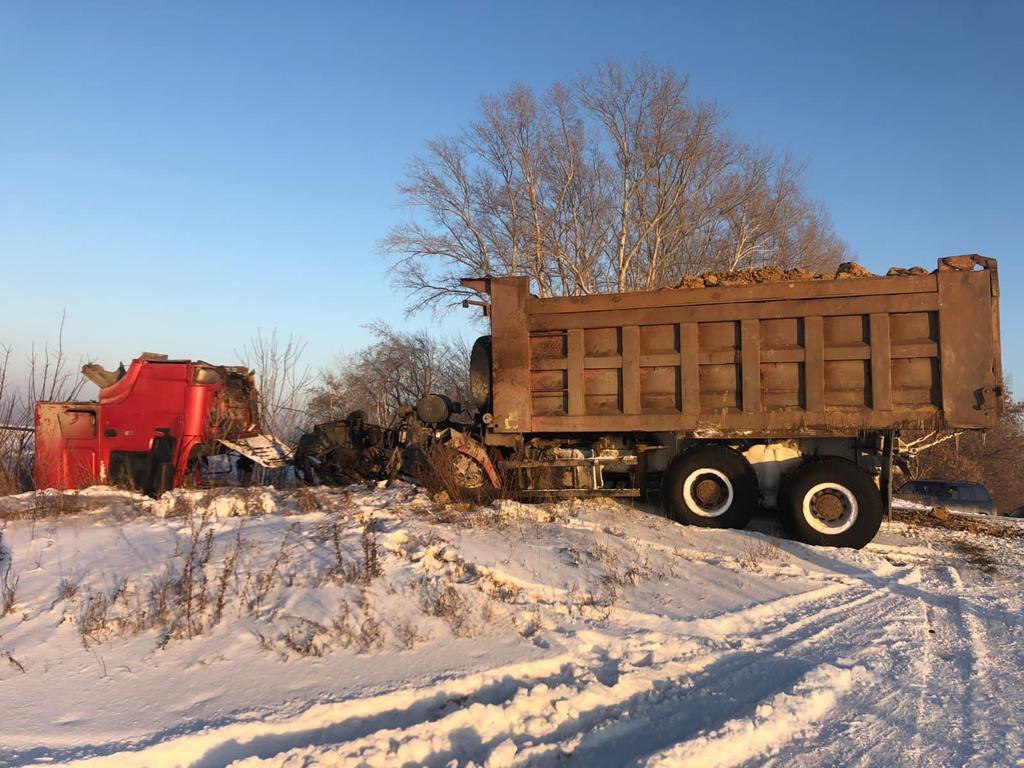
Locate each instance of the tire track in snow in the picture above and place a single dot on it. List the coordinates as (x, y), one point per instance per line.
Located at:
(875, 724)
(994, 632)
(956, 704)
(989, 732)
(674, 641)
(793, 713)
(942, 690)
(990, 747)
(261, 734)
(786, 667)
(612, 701)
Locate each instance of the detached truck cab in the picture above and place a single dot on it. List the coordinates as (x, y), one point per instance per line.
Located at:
(151, 426)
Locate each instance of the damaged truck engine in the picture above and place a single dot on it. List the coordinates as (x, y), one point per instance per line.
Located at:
(424, 442)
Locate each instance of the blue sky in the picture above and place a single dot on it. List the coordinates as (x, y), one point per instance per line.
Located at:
(174, 175)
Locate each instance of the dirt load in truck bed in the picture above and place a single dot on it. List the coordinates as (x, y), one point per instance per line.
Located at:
(775, 274)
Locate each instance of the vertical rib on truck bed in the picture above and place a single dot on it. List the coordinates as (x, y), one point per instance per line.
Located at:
(807, 357)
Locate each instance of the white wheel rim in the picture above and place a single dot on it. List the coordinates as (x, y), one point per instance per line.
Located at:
(695, 506)
(840, 524)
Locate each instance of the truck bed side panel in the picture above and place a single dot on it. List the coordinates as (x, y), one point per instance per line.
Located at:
(809, 357)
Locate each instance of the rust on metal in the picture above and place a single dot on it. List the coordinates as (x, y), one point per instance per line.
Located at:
(511, 352)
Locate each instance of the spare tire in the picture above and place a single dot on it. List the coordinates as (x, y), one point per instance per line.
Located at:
(480, 387)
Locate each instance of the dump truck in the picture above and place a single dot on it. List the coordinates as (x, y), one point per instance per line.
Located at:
(786, 395)
(155, 426)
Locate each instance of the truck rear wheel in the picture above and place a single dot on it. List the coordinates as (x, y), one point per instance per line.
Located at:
(832, 502)
(711, 486)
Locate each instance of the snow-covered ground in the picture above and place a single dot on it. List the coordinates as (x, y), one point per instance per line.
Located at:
(370, 627)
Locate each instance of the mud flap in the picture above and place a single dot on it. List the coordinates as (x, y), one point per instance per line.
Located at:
(265, 450)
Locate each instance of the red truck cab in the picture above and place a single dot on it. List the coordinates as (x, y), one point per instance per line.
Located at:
(150, 427)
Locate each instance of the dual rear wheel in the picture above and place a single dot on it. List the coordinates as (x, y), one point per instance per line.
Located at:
(828, 501)
(831, 501)
(711, 486)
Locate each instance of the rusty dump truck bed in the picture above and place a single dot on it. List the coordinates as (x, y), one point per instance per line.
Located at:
(814, 357)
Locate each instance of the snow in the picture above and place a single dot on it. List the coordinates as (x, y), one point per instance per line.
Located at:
(336, 627)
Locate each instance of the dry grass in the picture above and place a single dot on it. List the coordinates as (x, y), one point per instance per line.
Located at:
(228, 570)
(305, 638)
(216, 571)
(8, 590)
(759, 552)
(406, 634)
(258, 585)
(442, 600)
(436, 472)
(343, 570)
(500, 590)
(586, 604)
(67, 588)
(371, 552)
(307, 500)
(14, 662)
(994, 528)
(46, 505)
(182, 601)
(8, 581)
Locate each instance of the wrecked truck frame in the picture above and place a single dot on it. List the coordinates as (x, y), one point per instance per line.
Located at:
(424, 442)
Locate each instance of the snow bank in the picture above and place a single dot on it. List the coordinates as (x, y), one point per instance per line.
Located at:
(372, 627)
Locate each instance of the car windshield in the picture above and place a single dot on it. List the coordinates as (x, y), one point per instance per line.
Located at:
(943, 491)
(923, 488)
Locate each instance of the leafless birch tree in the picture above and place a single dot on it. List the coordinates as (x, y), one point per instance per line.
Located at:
(393, 371)
(618, 181)
(283, 382)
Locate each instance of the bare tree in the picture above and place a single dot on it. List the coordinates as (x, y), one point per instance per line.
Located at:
(616, 182)
(283, 382)
(51, 376)
(12, 438)
(393, 371)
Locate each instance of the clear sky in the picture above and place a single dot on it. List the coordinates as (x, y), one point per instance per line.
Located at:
(176, 174)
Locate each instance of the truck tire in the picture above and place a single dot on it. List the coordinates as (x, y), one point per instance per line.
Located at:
(832, 502)
(161, 457)
(308, 455)
(711, 486)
